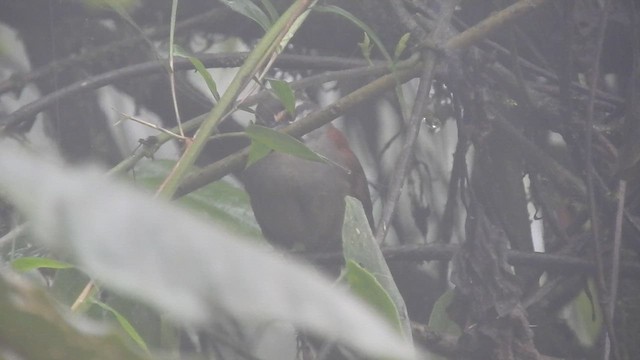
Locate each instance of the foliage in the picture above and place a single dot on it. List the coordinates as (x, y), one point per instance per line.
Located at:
(494, 247)
(189, 270)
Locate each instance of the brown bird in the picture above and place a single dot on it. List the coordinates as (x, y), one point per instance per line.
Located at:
(298, 203)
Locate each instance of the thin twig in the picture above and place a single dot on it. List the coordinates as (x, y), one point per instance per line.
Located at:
(457, 174)
(617, 246)
(13, 234)
(525, 94)
(593, 206)
(411, 134)
(172, 70)
(83, 295)
(234, 59)
(548, 75)
(496, 21)
(465, 39)
(544, 163)
(124, 116)
(563, 264)
(100, 53)
(153, 143)
(408, 22)
(235, 162)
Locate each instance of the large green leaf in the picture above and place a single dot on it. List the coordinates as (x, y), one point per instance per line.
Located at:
(360, 246)
(187, 268)
(278, 141)
(257, 151)
(222, 201)
(584, 315)
(369, 289)
(439, 319)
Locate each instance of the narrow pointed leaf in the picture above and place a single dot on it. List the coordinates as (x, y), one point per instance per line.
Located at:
(31, 263)
(257, 151)
(401, 46)
(250, 10)
(285, 94)
(349, 16)
(271, 10)
(281, 142)
(125, 324)
(363, 283)
(200, 68)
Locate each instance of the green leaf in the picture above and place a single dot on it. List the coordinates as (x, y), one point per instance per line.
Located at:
(250, 10)
(344, 13)
(281, 142)
(271, 10)
(125, 324)
(31, 263)
(117, 5)
(584, 316)
(365, 48)
(365, 285)
(184, 267)
(439, 319)
(285, 94)
(257, 151)
(401, 46)
(221, 201)
(297, 23)
(260, 59)
(200, 68)
(360, 246)
(146, 320)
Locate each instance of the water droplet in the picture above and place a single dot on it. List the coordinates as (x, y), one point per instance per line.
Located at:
(433, 123)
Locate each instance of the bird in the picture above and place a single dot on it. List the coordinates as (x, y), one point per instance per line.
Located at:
(300, 204)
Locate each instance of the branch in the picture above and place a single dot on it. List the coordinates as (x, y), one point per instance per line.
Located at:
(440, 252)
(236, 161)
(152, 143)
(18, 81)
(492, 23)
(30, 110)
(411, 134)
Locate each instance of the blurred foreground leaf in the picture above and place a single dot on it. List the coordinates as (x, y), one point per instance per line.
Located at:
(33, 328)
(188, 269)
